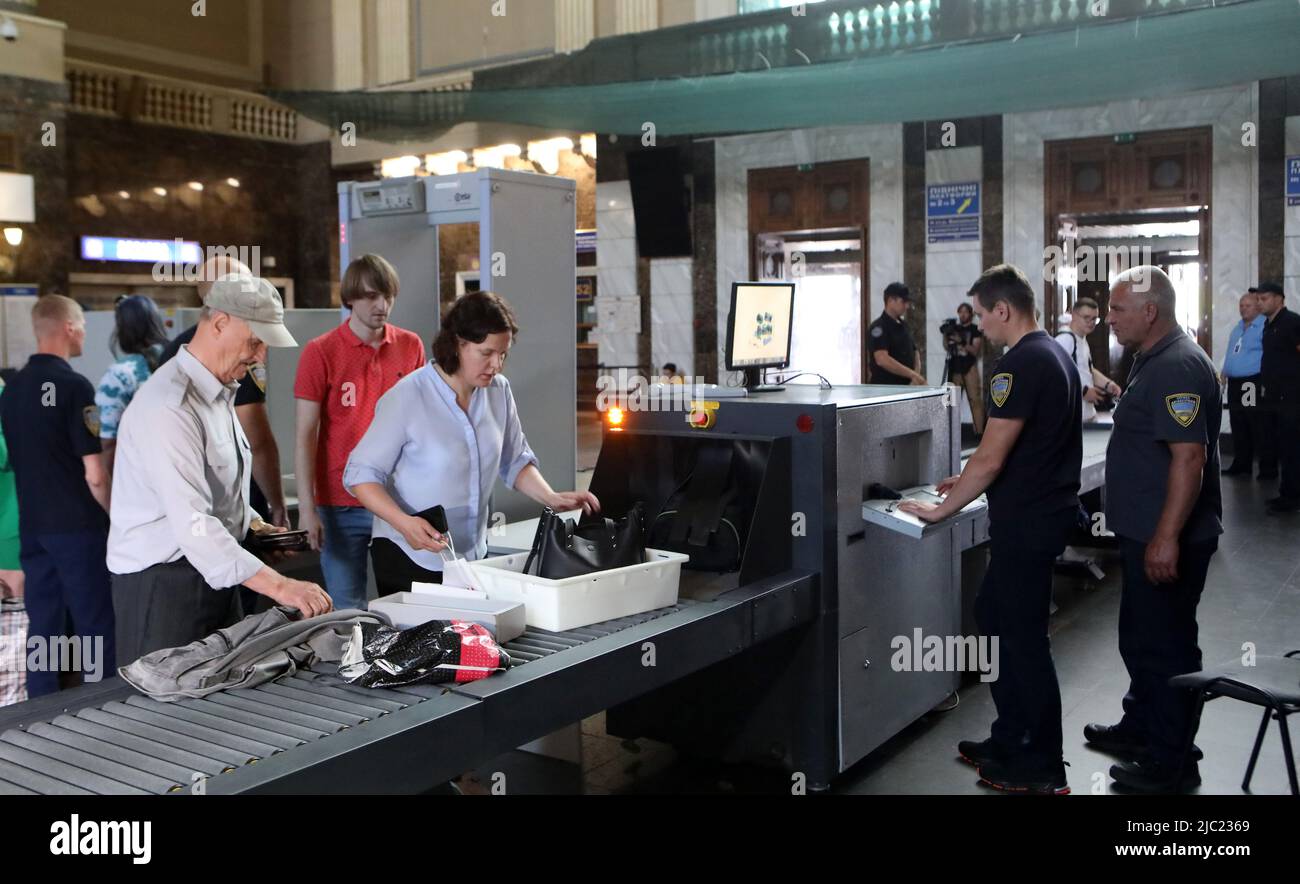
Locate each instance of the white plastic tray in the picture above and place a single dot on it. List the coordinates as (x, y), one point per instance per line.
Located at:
(558, 605)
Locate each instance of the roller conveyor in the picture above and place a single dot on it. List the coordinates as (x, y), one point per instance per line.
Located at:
(310, 732)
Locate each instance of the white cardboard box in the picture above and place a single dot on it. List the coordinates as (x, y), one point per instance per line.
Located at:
(504, 619)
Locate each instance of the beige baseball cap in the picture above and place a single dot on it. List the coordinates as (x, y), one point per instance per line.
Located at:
(255, 301)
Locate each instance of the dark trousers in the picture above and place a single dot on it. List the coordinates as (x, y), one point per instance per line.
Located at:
(1013, 604)
(1158, 640)
(1283, 434)
(168, 606)
(1248, 426)
(67, 580)
(394, 570)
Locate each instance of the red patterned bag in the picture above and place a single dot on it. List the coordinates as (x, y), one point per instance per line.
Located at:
(432, 653)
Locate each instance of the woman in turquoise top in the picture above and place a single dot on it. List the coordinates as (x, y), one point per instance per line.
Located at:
(138, 339)
(11, 572)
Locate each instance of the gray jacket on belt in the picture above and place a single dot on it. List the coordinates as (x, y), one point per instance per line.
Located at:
(257, 649)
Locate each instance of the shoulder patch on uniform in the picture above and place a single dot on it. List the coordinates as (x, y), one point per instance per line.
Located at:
(1183, 407)
(1000, 388)
(877, 331)
(90, 416)
(258, 373)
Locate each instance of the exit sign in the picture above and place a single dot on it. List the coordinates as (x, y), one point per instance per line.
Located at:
(1126, 138)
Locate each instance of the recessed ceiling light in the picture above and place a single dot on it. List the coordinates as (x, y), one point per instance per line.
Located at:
(161, 191)
(124, 194)
(196, 185)
(233, 182)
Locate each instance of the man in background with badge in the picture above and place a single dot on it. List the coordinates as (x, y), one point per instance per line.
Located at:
(1029, 462)
(51, 428)
(1163, 502)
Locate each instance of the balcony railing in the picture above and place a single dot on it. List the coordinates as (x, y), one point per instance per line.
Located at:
(831, 31)
(109, 91)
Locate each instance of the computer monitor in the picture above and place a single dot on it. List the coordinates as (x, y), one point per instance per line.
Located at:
(759, 326)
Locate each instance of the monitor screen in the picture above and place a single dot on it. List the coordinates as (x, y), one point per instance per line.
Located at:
(758, 333)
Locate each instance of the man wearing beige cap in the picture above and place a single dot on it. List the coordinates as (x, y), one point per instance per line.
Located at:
(181, 507)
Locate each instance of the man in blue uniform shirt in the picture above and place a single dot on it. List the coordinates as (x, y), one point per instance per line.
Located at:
(51, 427)
(1163, 503)
(1241, 369)
(1029, 462)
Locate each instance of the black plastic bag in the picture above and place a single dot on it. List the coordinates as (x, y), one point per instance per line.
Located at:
(432, 653)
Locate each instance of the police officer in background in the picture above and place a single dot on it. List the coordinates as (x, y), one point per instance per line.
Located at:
(1029, 462)
(894, 359)
(1280, 375)
(51, 428)
(1162, 501)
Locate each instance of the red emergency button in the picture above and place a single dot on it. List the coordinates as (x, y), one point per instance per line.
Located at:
(703, 415)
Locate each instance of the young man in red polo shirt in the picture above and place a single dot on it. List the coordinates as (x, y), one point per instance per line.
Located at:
(341, 376)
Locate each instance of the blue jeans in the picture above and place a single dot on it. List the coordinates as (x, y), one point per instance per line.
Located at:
(343, 553)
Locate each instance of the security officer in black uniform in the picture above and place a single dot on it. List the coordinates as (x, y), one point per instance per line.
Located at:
(1163, 503)
(1029, 462)
(51, 427)
(894, 359)
(1280, 377)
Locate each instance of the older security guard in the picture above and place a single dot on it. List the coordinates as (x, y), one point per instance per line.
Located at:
(1162, 500)
(181, 506)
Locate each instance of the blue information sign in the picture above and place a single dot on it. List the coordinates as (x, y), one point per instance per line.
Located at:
(952, 212)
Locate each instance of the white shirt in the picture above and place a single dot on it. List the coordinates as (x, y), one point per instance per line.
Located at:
(427, 452)
(1076, 346)
(181, 478)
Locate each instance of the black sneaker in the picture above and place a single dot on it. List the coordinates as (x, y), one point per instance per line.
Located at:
(1284, 505)
(1113, 738)
(1026, 776)
(1148, 775)
(1117, 741)
(1264, 477)
(981, 753)
(1236, 470)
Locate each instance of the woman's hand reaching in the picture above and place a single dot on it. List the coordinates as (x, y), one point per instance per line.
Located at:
(564, 501)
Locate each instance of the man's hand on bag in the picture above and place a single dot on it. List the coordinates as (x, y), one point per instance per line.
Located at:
(308, 598)
(420, 534)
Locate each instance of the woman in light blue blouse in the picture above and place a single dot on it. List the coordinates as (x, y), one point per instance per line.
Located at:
(442, 436)
(138, 340)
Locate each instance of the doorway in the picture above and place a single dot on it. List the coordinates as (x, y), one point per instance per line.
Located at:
(808, 225)
(1120, 201)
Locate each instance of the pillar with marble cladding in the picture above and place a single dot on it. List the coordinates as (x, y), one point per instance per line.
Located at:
(348, 28)
(392, 41)
(631, 16)
(575, 24)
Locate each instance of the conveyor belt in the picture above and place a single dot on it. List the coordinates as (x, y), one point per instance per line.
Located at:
(132, 744)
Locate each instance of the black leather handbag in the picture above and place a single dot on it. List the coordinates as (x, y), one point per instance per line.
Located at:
(704, 517)
(562, 548)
